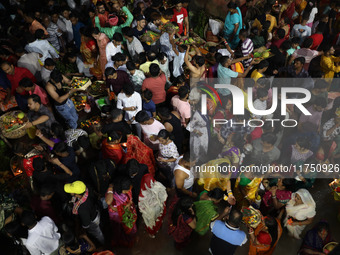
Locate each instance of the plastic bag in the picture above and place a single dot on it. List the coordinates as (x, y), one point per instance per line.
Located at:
(215, 26)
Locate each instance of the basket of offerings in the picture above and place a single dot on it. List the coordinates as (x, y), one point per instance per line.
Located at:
(329, 247)
(251, 216)
(262, 54)
(79, 101)
(97, 89)
(12, 124)
(80, 83)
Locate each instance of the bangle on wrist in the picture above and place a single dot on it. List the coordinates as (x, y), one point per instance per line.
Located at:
(273, 196)
(109, 192)
(230, 193)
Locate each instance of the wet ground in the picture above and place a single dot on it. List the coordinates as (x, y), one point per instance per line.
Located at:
(327, 209)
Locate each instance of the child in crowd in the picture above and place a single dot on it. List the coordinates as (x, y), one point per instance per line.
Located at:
(148, 105)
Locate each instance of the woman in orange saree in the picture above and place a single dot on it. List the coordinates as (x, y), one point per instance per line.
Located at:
(138, 150)
(88, 50)
(265, 237)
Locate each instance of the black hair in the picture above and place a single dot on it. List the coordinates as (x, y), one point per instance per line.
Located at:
(161, 56)
(199, 60)
(147, 94)
(263, 64)
(238, 140)
(19, 49)
(109, 71)
(301, 60)
(187, 157)
(232, 5)
(304, 142)
(320, 84)
(47, 189)
(106, 108)
(142, 57)
(235, 217)
(113, 136)
(115, 113)
(70, 240)
(60, 147)
(58, 131)
(327, 48)
(39, 164)
(128, 89)
(295, 40)
(155, 16)
(168, 12)
(289, 183)
(28, 218)
(151, 56)
(271, 224)
(286, 45)
(154, 70)
(95, 30)
(121, 183)
(308, 42)
(281, 33)
(117, 37)
(130, 65)
(84, 141)
(224, 60)
(132, 167)
(26, 83)
(216, 193)
(56, 76)
(179, 80)
(100, 3)
(243, 32)
(183, 92)
(49, 62)
(269, 138)
(118, 57)
(142, 116)
(212, 49)
(322, 225)
(218, 57)
(35, 98)
(264, 82)
(127, 31)
(165, 134)
(164, 111)
(182, 207)
(39, 34)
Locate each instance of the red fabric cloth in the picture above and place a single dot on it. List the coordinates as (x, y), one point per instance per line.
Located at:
(103, 19)
(179, 18)
(317, 40)
(278, 42)
(41, 93)
(156, 85)
(113, 151)
(19, 74)
(143, 154)
(257, 133)
(264, 238)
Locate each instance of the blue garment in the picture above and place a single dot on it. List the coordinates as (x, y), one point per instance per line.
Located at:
(69, 113)
(70, 163)
(224, 75)
(76, 34)
(149, 107)
(229, 26)
(4, 82)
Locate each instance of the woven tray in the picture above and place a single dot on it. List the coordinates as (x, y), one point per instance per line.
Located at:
(97, 91)
(85, 86)
(16, 133)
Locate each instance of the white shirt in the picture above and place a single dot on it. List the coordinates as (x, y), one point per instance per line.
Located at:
(135, 47)
(134, 100)
(178, 62)
(45, 74)
(224, 52)
(68, 27)
(111, 64)
(165, 69)
(43, 47)
(188, 182)
(152, 130)
(43, 238)
(31, 62)
(111, 50)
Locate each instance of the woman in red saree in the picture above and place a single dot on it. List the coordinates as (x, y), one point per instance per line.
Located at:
(112, 149)
(88, 51)
(264, 238)
(152, 203)
(138, 150)
(122, 212)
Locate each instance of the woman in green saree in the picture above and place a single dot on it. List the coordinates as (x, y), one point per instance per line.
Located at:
(206, 209)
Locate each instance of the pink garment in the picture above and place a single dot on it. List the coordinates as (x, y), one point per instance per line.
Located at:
(152, 130)
(102, 41)
(182, 107)
(308, 54)
(41, 93)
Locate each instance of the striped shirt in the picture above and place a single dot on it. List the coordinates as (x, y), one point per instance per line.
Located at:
(247, 48)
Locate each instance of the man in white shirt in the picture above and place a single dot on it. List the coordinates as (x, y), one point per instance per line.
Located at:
(29, 61)
(114, 47)
(134, 46)
(43, 236)
(42, 46)
(47, 69)
(65, 18)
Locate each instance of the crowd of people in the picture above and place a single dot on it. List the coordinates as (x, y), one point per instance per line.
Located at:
(95, 185)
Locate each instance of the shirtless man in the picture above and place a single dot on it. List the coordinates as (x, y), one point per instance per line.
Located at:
(197, 69)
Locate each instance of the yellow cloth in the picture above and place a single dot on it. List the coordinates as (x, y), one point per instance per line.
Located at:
(328, 67)
(273, 22)
(256, 75)
(213, 179)
(145, 67)
(250, 188)
(164, 20)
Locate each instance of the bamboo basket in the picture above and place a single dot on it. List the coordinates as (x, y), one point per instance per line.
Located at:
(16, 133)
(85, 86)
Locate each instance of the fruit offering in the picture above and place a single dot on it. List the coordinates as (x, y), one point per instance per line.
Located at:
(12, 121)
(263, 55)
(79, 82)
(79, 102)
(95, 120)
(97, 88)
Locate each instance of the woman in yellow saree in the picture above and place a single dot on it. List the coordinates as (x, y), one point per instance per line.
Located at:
(246, 188)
